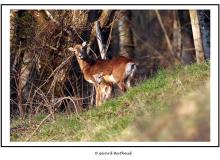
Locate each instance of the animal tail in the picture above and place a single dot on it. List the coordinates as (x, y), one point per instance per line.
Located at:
(130, 70)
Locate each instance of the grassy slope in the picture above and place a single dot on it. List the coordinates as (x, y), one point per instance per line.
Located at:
(149, 111)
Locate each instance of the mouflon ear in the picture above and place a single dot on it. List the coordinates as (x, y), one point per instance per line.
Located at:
(71, 49)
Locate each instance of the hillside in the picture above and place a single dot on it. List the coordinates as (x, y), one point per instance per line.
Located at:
(173, 105)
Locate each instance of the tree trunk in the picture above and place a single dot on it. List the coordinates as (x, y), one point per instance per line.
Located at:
(18, 44)
(105, 18)
(176, 43)
(100, 40)
(197, 36)
(204, 18)
(125, 34)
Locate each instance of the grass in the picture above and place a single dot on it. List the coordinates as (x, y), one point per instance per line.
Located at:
(131, 116)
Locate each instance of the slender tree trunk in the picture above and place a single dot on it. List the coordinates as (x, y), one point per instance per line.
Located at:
(100, 40)
(105, 18)
(19, 41)
(197, 36)
(204, 17)
(176, 34)
(125, 34)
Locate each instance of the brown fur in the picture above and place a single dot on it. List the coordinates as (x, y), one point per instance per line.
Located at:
(114, 67)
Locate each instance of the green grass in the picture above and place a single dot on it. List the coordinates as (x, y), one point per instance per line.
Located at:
(124, 117)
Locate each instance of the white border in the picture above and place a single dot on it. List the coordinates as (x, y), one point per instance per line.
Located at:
(102, 6)
(6, 87)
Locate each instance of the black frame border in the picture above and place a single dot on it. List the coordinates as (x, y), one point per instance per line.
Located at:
(115, 146)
